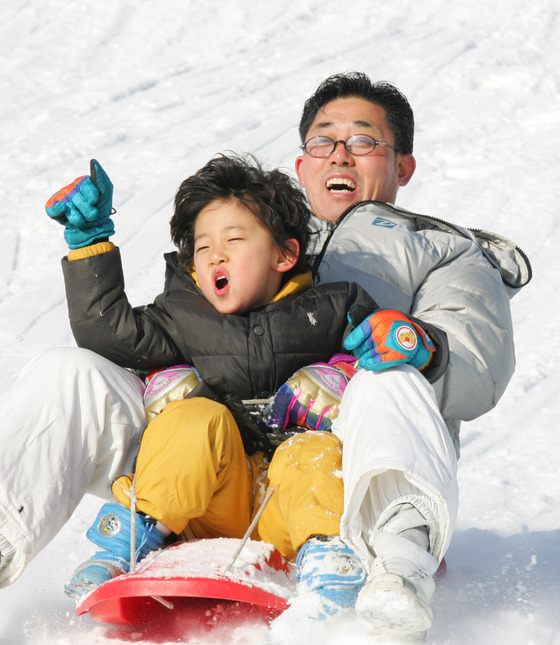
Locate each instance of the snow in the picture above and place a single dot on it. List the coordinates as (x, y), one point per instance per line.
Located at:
(245, 563)
(154, 88)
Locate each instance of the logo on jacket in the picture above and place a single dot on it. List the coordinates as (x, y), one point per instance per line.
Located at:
(406, 337)
(385, 223)
(312, 318)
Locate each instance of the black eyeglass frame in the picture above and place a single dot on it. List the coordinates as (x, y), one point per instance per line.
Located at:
(375, 143)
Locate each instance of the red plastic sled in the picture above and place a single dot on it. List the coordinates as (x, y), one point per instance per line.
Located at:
(188, 580)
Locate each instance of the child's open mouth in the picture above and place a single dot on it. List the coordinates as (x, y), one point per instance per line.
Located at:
(221, 283)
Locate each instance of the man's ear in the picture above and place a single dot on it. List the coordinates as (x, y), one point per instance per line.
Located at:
(288, 257)
(299, 170)
(407, 166)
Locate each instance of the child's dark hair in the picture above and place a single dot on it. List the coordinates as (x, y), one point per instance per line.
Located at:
(273, 198)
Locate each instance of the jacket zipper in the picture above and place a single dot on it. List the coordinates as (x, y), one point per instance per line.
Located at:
(459, 230)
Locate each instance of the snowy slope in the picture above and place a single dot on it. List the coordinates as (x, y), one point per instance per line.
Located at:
(154, 88)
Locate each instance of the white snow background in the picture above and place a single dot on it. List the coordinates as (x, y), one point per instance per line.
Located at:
(154, 88)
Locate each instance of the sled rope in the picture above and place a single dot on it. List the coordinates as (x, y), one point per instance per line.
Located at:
(163, 601)
(133, 525)
(250, 529)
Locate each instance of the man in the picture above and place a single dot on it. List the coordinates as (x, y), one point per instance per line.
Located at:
(399, 467)
(399, 504)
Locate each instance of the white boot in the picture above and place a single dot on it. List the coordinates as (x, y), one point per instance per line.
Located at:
(396, 599)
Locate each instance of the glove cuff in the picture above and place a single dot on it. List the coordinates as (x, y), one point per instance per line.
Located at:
(439, 360)
(77, 238)
(90, 251)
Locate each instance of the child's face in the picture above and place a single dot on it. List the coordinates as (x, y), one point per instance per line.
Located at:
(238, 265)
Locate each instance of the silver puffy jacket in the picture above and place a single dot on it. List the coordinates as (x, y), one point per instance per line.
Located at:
(457, 279)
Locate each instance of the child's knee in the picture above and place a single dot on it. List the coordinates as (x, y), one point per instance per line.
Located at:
(311, 448)
(191, 417)
(304, 456)
(191, 427)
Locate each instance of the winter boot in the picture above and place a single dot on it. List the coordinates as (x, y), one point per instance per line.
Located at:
(112, 531)
(396, 599)
(329, 576)
(331, 570)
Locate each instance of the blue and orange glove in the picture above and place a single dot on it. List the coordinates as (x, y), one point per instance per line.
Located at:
(388, 338)
(84, 207)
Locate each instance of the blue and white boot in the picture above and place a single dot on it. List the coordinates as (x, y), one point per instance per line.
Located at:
(329, 577)
(329, 568)
(112, 532)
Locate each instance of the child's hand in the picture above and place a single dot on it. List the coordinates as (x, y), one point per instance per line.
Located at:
(84, 207)
(166, 385)
(388, 338)
(311, 397)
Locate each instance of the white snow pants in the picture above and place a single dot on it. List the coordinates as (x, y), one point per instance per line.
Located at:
(70, 424)
(396, 450)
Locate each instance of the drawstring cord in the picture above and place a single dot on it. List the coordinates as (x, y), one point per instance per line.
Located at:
(133, 525)
(247, 535)
(133, 500)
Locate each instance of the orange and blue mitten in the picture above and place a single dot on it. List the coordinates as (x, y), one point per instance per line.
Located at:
(84, 208)
(388, 338)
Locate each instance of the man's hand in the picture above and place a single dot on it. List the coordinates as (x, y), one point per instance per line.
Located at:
(388, 338)
(84, 207)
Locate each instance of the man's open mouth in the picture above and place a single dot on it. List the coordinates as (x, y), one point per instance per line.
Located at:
(340, 184)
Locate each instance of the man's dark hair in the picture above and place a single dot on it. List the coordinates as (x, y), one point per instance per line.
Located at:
(399, 115)
(271, 195)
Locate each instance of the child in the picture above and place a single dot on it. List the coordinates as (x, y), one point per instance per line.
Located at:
(238, 305)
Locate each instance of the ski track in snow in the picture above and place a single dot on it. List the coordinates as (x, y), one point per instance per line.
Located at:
(154, 89)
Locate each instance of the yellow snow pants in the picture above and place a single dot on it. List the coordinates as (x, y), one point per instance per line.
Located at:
(192, 474)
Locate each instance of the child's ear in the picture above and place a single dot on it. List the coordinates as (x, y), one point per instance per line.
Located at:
(288, 256)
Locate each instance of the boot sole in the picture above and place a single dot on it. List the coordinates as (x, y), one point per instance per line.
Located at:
(392, 605)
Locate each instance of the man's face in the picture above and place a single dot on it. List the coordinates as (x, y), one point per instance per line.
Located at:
(336, 182)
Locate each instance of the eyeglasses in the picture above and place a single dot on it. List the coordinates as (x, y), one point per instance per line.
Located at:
(358, 145)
